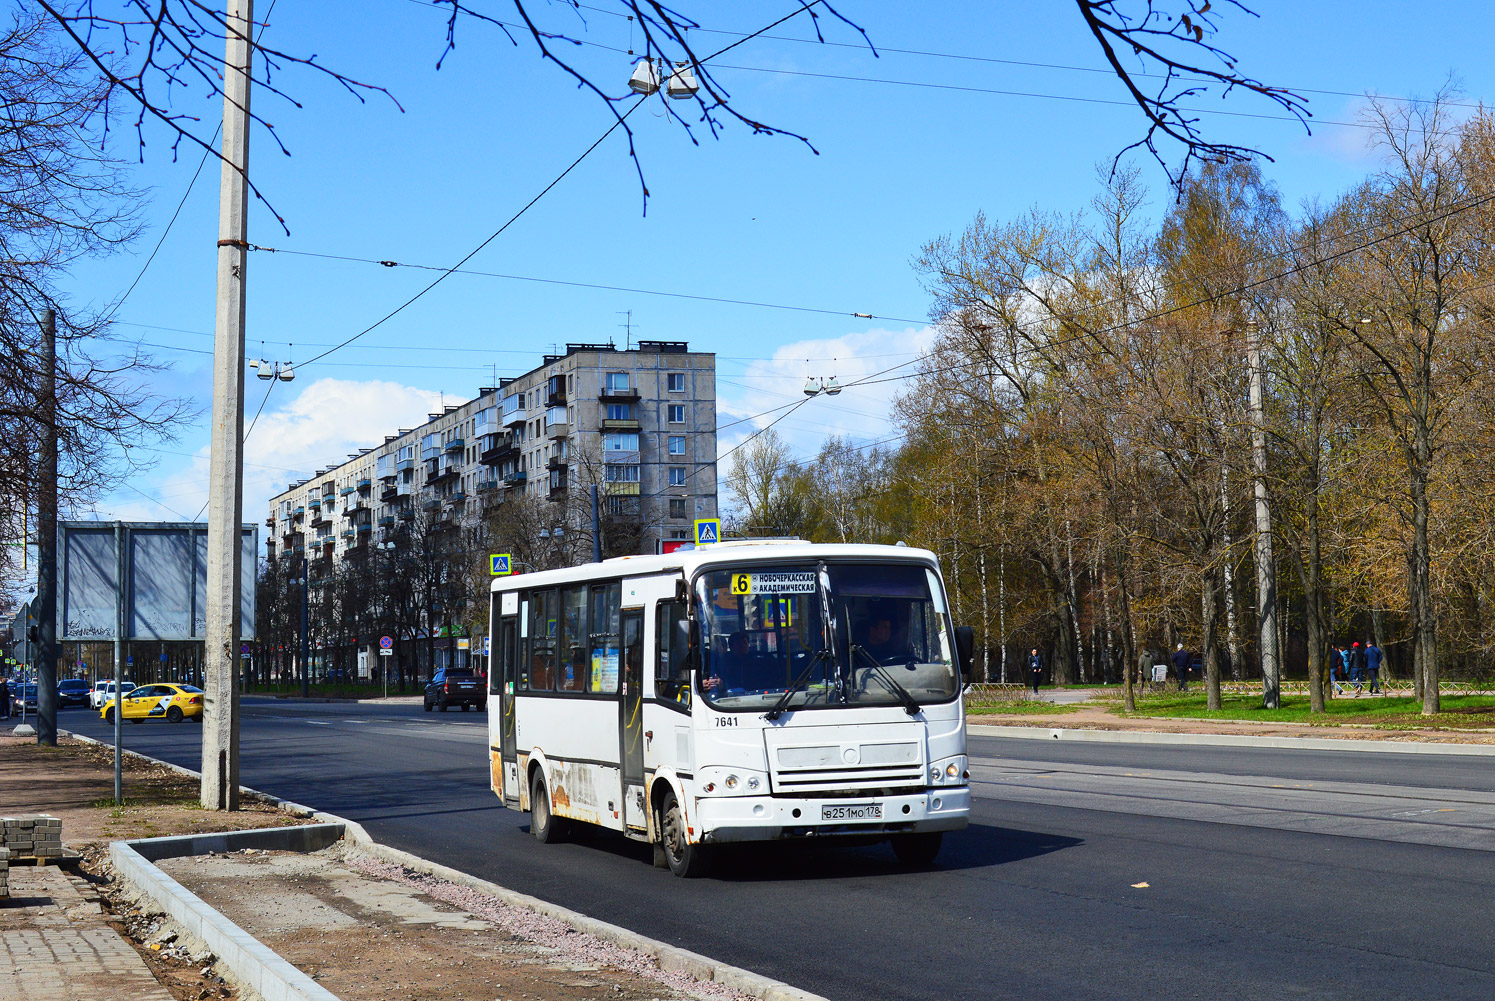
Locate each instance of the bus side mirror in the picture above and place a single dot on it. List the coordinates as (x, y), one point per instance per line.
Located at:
(965, 651)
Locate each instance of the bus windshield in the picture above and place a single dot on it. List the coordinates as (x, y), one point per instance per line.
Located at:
(837, 634)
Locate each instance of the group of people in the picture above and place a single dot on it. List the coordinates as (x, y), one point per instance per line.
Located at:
(1358, 665)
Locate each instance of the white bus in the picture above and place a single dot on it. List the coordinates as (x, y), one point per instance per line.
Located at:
(745, 691)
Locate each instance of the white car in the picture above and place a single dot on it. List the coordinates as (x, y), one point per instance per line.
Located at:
(103, 691)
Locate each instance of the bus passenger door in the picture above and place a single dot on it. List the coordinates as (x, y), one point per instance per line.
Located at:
(508, 653)
(631, 706)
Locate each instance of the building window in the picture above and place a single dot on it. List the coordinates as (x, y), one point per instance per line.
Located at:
(617, 382)
(620, 411)
(677, 507)
(675, 382)
(677, 444)
(677, 476)
(679, 533)
(620, 442)
(621, 472)
(677, 413)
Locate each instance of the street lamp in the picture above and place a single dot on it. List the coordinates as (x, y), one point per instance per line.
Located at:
(830, 387)
(681, 84)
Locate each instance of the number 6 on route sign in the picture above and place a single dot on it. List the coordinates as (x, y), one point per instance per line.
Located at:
(498, 564)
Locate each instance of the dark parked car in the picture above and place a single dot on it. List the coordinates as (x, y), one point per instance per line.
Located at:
(73, 692)
(456, 687)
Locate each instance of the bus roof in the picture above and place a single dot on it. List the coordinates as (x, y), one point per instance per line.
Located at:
(689, 561)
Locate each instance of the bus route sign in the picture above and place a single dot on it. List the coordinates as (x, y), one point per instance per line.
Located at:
(794, 582)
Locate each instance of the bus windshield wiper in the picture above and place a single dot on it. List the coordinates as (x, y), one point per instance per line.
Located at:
(910, 704)
(799, 682)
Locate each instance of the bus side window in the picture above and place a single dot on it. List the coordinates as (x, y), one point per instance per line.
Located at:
(672, 636)
(540, 647)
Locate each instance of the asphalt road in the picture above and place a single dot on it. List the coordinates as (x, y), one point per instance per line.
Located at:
(1270, 873)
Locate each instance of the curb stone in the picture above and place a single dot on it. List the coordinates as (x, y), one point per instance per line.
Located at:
(669, 957)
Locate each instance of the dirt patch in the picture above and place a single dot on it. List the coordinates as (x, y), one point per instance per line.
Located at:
(366, 929)
(75, 781)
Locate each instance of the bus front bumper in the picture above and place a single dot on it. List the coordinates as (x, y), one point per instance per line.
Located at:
(723, 819)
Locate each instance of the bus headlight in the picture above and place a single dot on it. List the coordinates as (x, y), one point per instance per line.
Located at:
(718, 780)
(948, 771)
(731, 782)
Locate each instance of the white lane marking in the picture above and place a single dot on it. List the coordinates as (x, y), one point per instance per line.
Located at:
(316, 722)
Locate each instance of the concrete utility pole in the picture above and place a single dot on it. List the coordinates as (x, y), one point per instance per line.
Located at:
(1266, 571)
(305, 649)
(48, 652)
(220, 731)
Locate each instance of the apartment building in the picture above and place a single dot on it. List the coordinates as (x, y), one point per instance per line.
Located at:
(640, 423)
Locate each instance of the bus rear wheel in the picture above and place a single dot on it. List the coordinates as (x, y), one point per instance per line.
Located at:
(917, 850)
(684, 859)
(544, 825)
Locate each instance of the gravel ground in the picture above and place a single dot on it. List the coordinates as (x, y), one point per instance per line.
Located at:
(367, 929)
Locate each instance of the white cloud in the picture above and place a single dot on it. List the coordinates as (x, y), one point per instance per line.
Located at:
(320, 426)
(746, 400)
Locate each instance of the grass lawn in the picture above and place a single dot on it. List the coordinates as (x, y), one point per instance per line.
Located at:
(1395, 712)
(1023, 707)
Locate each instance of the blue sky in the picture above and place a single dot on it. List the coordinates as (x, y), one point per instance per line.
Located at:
(740, 217)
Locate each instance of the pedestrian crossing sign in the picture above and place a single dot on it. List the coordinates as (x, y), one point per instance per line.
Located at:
(498, 564)
(708, 530)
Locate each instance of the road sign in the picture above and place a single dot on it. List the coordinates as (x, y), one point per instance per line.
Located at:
(464, 644)
(386, 652)
(385, 642)
(485, 646)
(130, 660)
(499, 564)
(708, 530)
(163, 656)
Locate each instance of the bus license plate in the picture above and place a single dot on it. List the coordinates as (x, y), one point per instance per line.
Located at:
(851, 811)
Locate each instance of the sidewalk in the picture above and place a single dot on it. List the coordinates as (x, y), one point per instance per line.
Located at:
(56, 943)
(360, 926)
(1097, 717)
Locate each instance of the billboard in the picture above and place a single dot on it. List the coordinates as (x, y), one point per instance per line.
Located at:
(165, 573)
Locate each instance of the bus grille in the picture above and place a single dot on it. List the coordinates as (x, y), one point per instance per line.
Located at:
(827, 768)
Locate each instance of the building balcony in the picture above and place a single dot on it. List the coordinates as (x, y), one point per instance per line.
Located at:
(298, 512)
(619, 395)
(558, 430)
(345, 491)
(556, 462)
(485, 485)
(456, 445)
(489, 425)
(445, 476)
(270, 522)
(457, 498)
(403, 464)
(347, 534)
(620, 489)
(319, 519)
(503, 447)
(617, 424)
(515, 417)
(387, 521)
(406, 514)
(515, 478)
(315, 503)
(430, 504)
(389, 493)
(556, 399)
(365, 485)
(557, 491)
(356, 508)
(298, 550)
(363, 529)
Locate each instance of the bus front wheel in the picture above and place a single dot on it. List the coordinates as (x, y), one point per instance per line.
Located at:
(918, 850)
(684, 858)
(544, 825)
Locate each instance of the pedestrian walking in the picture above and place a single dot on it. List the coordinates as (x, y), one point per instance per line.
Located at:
(1035, 670)
(1336, 664)
(1357, 667)
(1373, 658)
(1181, 667)
(4, 697)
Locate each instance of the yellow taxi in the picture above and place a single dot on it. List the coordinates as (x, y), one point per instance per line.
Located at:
(173, 703)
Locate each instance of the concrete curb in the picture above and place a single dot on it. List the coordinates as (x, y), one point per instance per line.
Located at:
(669, 957)
(1227, 740)
(252, 963)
